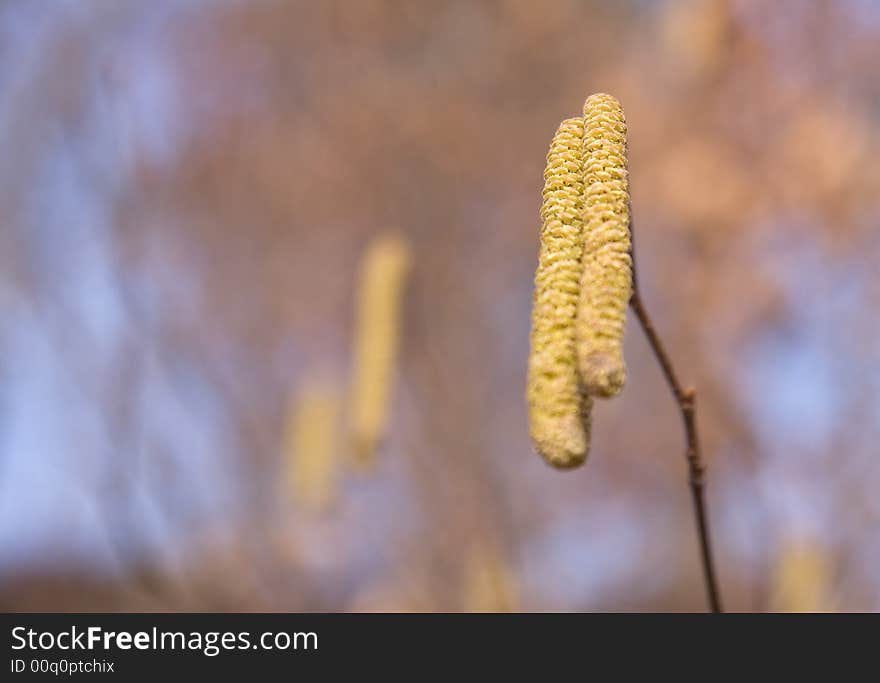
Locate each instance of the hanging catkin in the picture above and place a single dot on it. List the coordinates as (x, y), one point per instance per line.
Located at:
(377, 331)
(606, 281)
(559, 412)
(310, 445)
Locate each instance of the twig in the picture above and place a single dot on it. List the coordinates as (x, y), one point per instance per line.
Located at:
(686, 399)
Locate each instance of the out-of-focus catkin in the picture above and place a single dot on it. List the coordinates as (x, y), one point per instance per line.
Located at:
(559, 412)
(801, 577)
(380, 292)
(310, 447)
(606, 282)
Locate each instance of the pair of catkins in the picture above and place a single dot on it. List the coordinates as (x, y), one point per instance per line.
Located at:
(583, 282)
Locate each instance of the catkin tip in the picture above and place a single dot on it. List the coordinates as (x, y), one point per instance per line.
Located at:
(310, 445)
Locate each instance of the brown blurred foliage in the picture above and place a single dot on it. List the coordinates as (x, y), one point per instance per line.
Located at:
(186, 189)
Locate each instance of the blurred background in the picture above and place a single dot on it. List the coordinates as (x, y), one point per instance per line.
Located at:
(187, 189)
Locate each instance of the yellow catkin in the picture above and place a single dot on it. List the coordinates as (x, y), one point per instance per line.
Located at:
(489, 583)
(606, 283)
(801, 577)
(310, 454)
(377, 330)
(697, 35)
(559, 412)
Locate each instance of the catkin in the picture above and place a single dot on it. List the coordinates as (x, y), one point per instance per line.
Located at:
(377, 331)
(559, 411)
(801, 577)
(310, 455)
(606, 281)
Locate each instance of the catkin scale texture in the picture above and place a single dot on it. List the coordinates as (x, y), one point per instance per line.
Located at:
(606, 279)
(377, 331)
(559, 411)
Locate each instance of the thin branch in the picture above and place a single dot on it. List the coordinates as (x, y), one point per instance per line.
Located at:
(686, 400)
